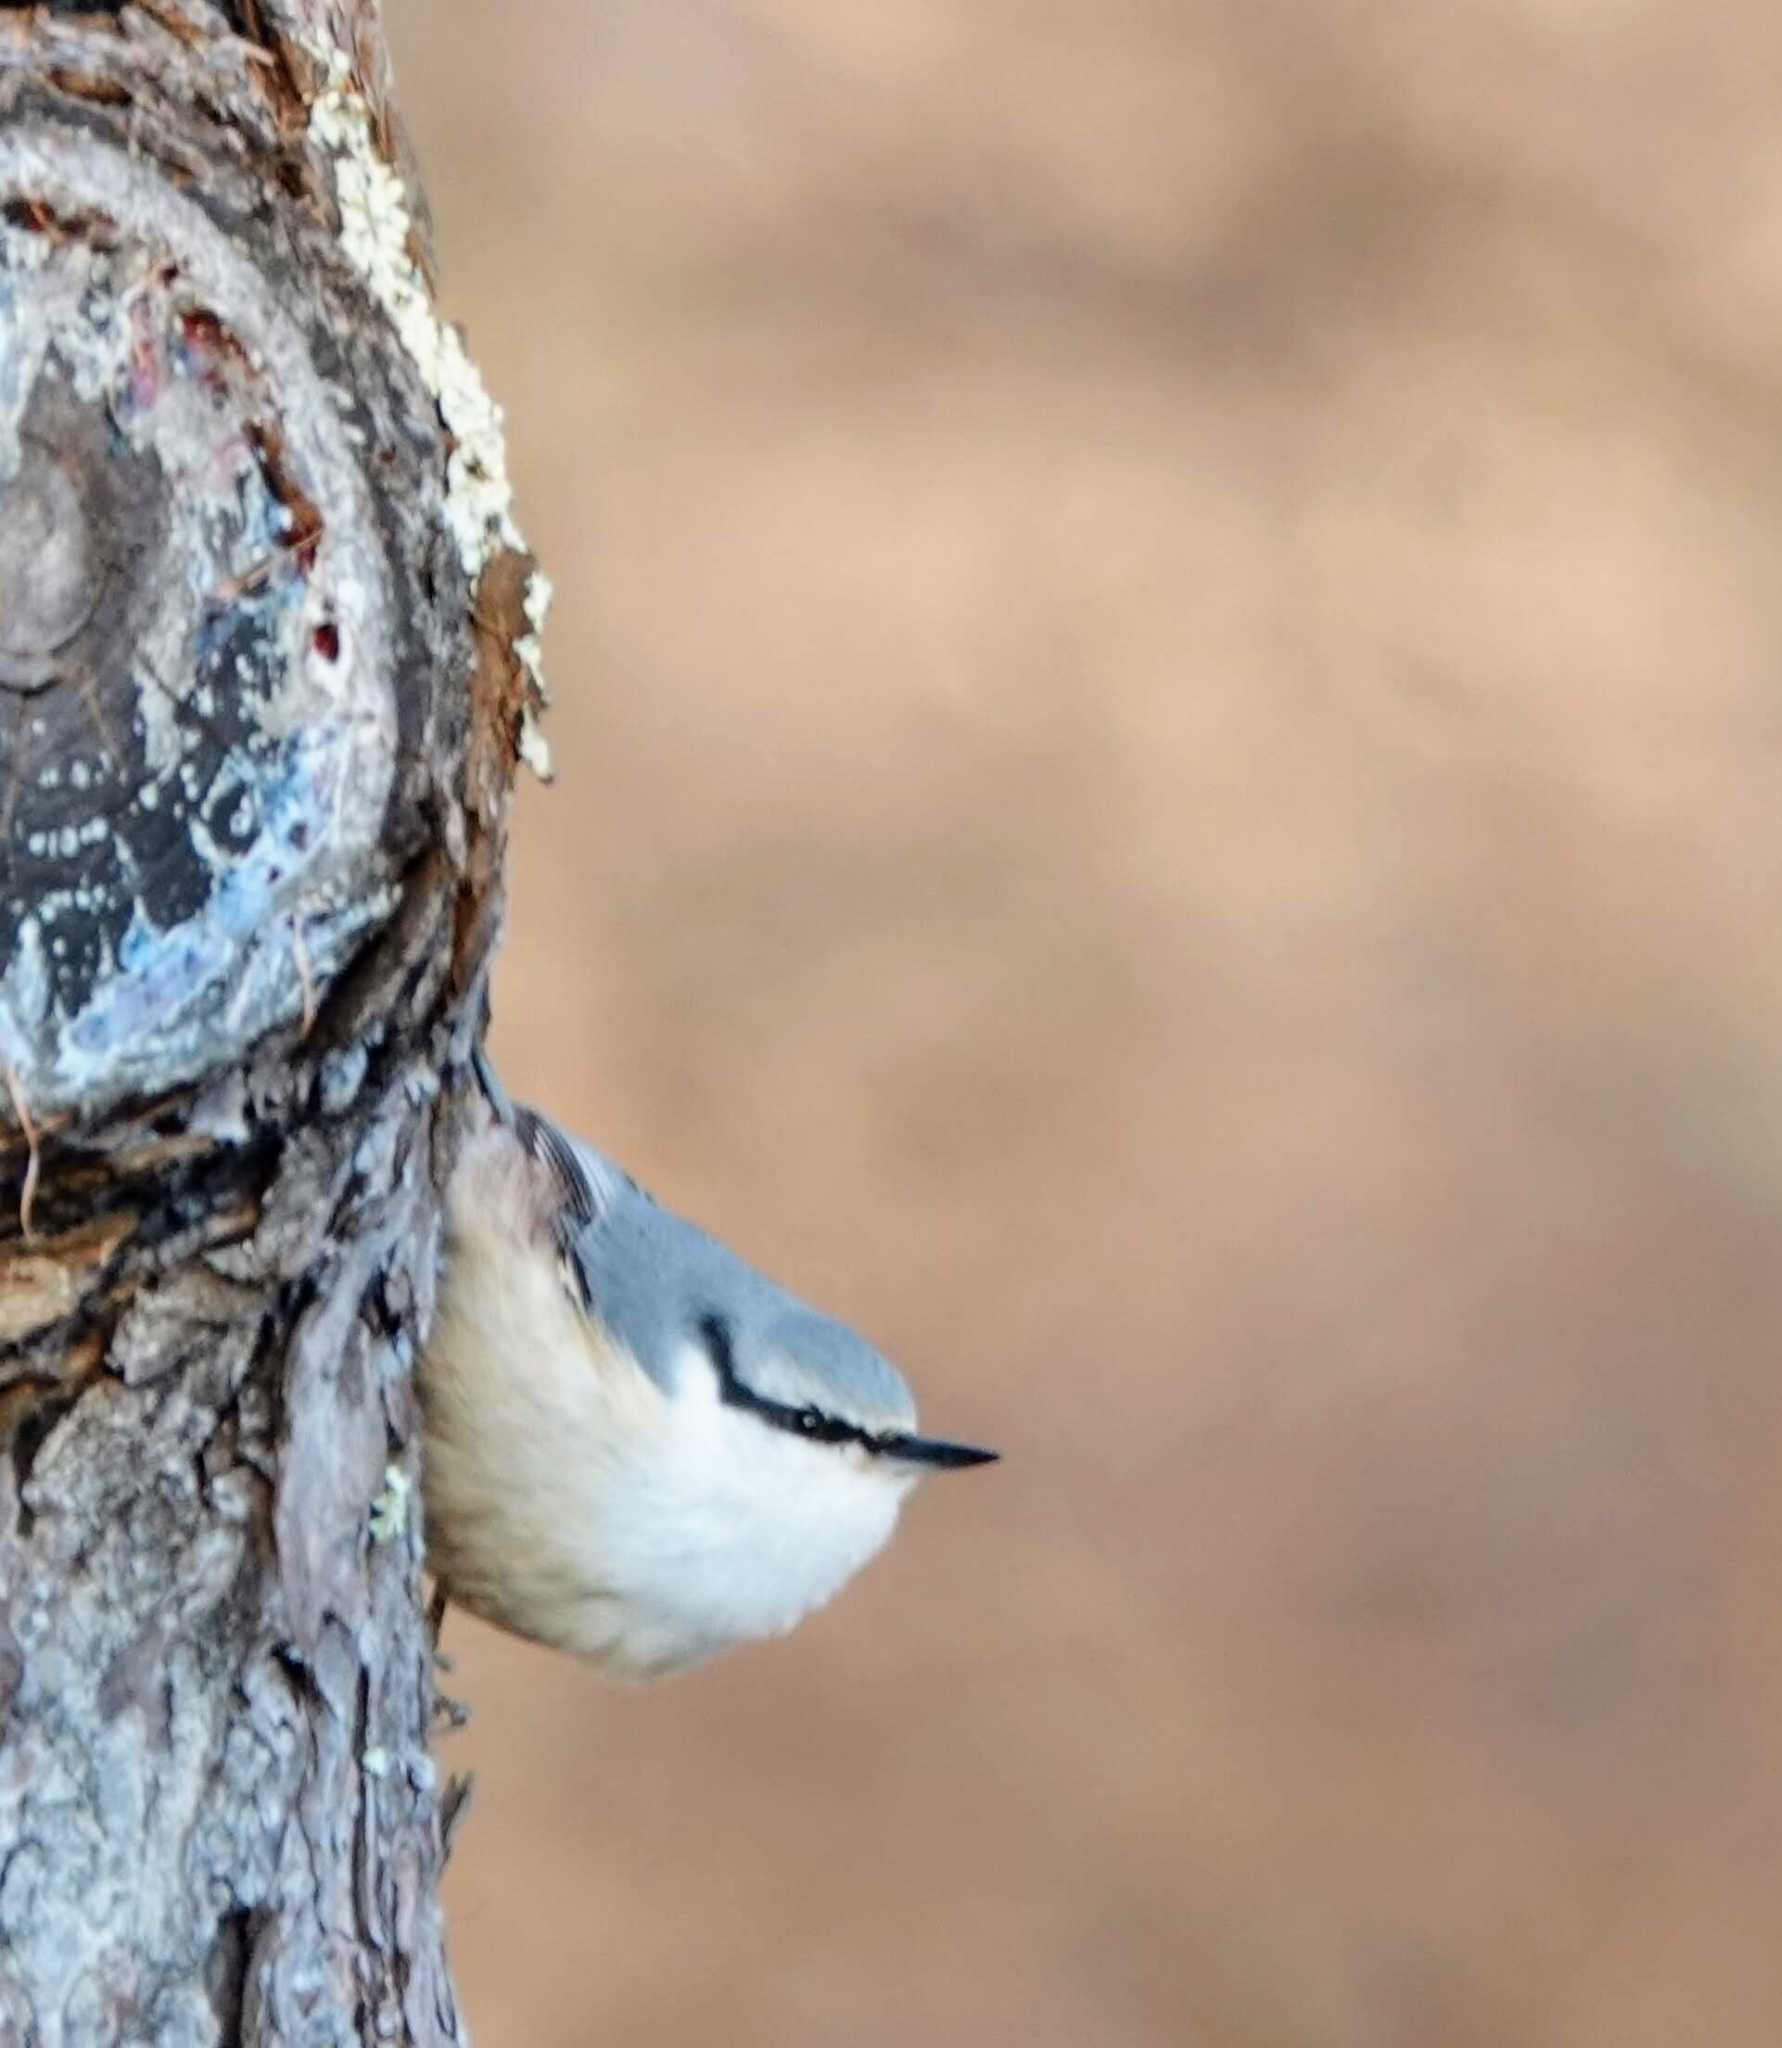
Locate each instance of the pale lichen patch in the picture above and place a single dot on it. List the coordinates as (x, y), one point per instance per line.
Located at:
(377, 233)
(389, 1511)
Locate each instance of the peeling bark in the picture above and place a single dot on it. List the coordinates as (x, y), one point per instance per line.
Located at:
(266, 655)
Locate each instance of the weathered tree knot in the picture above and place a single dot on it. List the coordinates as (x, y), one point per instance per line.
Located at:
(210, 645)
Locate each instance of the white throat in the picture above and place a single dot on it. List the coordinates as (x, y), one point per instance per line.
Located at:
(719, 1528)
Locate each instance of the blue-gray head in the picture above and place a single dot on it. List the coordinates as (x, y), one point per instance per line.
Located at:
(657, 1281)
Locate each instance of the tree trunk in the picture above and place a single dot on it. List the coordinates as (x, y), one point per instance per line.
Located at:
(266, 657)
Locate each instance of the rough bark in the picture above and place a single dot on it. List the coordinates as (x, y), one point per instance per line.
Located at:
(265, 660)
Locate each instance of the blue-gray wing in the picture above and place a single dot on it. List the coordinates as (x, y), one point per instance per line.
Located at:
(578, 1199)
(584, 1191)
(580, 1188)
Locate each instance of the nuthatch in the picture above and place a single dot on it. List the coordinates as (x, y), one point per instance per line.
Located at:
(638, 1448)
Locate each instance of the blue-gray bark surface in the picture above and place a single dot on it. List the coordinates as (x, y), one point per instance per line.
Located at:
(256, 735)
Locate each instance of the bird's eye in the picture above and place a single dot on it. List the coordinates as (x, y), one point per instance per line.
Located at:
(810, 1420)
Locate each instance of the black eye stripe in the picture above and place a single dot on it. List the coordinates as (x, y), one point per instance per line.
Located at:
(808, 1422)
(813, 1424)
(715, 1332)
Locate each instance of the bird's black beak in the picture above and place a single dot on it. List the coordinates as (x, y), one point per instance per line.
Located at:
(930, 1451)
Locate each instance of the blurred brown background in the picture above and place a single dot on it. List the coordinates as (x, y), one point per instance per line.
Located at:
(1169, 676)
